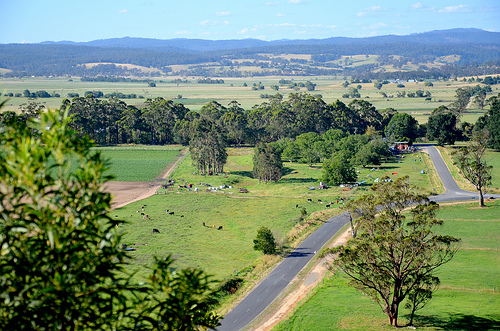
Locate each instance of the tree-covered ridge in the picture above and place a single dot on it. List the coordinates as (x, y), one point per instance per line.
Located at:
(473, 48)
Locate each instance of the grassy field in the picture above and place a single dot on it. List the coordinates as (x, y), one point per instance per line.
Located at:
(139, 163)
(195, 95)
(491, 157)
(468, 298)
(221, 252)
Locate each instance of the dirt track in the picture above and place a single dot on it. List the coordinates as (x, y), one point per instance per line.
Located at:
(128, 192)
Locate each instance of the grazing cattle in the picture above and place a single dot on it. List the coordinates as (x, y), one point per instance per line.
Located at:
(296, 206)
(319, 200)
(213, 226)
(309, 200)
(327, 206)
(204, 224)
(182, 215)
(156, 231)
(142, 214)
(171, 213)
(220, 228)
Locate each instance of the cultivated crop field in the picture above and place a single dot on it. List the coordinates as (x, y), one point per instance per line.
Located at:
(222, 252)
(139, 163)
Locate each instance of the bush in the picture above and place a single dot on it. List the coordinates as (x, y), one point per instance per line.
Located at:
(265, 241)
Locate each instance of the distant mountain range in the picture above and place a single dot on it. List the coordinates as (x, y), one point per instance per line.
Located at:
(452, 36)
(467, 46)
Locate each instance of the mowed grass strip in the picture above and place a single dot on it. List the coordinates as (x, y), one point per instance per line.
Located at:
(139, 163)
(468, 298)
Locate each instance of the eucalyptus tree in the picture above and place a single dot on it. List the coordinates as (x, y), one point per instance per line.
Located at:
(267, 164)
(471, 162)
(161, 116)
(207, 146)
(235, 122)
(397, 248)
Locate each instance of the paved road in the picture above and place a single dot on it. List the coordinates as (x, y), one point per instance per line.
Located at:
(267, 291)
(453, 192)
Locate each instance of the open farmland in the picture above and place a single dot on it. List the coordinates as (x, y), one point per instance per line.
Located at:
(139, 163)
(222, 252)
(468, 295)
(195, 95)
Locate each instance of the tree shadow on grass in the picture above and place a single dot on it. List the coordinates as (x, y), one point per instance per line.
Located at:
(298, 180)
(243, 173)
(460, 322)
(286, 171)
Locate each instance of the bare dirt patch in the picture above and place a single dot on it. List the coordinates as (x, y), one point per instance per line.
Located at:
(127, 192)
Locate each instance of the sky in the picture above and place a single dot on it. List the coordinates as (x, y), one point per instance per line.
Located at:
(33, 21)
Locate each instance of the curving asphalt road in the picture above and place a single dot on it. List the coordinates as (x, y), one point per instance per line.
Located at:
(269, 289)
(453, 192)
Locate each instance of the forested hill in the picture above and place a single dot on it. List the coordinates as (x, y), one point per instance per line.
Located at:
(453, 36)
(469, 46)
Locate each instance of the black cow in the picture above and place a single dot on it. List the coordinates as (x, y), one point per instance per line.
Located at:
(220, 228)
(156, 231)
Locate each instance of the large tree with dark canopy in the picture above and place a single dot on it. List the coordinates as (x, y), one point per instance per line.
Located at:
(62, 262)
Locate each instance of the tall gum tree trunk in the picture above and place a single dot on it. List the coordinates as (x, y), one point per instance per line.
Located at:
(481, 197)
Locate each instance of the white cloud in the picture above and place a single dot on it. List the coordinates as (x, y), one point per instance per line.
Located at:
(223, 13)
(331, 26)
(183, 33)
(455, 9)
(369, 10)
(243, 31)
(212, 23)
(375, 26)
(281, 15)
(123, 11)
(294, 1)
(417, 5)
(272, 3)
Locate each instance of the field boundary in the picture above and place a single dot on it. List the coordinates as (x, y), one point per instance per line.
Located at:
(151, 188)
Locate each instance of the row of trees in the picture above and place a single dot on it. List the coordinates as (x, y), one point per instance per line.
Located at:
(164, 122)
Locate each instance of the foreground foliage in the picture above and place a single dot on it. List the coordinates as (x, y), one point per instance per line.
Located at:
(394, 256)
(62, 263)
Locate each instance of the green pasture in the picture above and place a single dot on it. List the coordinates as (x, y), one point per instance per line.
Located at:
(468, 298)
(139, 163)
(491, 157)
(275, 205)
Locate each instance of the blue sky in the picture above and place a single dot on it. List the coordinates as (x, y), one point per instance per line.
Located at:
(35, 21)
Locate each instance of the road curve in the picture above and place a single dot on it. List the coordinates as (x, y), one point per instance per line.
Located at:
(453, 192)
(269, 289)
